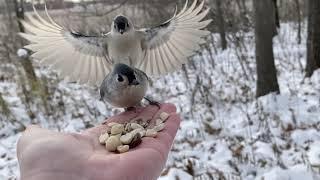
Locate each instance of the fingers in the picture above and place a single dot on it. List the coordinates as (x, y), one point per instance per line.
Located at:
(172, 125)
(26, 136)
(157, 149)
(164, 139)
(168, 108)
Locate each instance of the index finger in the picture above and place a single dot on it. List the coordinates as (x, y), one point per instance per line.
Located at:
(164, 139)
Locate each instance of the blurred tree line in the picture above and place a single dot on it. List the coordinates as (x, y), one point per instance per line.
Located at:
(230, 17)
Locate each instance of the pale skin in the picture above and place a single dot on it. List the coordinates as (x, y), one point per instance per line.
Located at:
(45, 154)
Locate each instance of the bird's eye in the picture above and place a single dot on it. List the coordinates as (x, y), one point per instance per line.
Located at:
(120, 78)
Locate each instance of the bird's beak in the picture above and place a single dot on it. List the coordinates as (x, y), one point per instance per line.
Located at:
(134, 82)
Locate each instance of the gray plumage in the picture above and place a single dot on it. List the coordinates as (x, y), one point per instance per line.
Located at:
(124, 87)
(88, 59)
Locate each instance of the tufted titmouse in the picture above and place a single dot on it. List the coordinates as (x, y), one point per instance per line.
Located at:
(88, 59)
(124, 86)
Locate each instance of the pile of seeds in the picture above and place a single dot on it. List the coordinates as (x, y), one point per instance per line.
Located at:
(121, 137)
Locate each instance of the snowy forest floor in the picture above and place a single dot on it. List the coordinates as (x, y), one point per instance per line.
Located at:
(226, 133)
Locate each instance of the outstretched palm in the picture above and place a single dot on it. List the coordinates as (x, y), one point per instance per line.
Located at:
(45, 154)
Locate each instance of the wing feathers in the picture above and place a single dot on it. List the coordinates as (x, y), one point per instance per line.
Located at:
(167, 61)
(50, 19)
(183, 9)
(189, 11)
(78, 57)
(169, 45)
(54, 26)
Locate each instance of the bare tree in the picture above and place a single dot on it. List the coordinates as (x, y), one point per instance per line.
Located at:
(26, 63)
(275, 14)
(4, 109)
(313, 42)
(19, 9)
(244, 13)
(298, 9)
(221, 24)
(266, 72)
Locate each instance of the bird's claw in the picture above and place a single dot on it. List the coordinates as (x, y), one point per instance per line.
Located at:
(130, 109)
(151, 102)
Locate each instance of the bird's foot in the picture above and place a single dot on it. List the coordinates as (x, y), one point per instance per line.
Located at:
(130, 109)
(152, 102)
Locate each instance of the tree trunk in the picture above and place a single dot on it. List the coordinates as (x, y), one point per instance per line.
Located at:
(299, 20)
(313, 42)
(9, 14)
(275, 15)
(4, 109)
(266, 72)
(243, 12)
(221, 25)
(26, 62)
(19, 9)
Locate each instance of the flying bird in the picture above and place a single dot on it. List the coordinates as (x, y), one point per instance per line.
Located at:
(88, 59)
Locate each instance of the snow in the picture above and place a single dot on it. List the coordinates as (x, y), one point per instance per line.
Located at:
(295, 173)
(225, 133)
(303, 137)
(314, 154)
(174, 173)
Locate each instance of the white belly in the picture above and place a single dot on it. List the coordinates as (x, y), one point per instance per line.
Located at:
(128, 97)
(125, 49)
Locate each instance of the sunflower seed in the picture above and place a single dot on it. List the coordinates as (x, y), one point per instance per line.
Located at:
(136, 140)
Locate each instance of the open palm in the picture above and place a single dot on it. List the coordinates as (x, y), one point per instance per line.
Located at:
(45, 154)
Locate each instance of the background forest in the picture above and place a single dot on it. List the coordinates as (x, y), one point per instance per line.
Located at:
(249, 100)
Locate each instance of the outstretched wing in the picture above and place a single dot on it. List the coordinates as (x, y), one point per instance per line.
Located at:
(78, 57)
(167, 46)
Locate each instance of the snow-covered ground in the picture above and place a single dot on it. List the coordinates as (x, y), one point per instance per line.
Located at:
(226, 132)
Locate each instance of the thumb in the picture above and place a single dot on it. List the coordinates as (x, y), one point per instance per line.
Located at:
(30, 135)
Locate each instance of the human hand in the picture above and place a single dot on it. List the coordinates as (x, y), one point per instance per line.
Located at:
(45, 154)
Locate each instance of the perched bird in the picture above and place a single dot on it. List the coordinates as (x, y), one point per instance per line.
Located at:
(124, 86)
(88, 59)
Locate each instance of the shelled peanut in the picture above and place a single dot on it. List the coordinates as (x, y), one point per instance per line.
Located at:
(122, 137)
